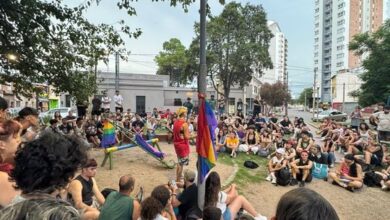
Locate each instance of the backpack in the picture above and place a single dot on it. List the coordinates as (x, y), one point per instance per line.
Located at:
(372, 179)
(283, 177)
(319, 171)
(250, 164)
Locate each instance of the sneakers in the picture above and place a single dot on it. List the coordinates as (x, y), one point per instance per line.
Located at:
(351, 189)
(260, 217)
(331, 165)
(384, 188)
(273, 181)
(269, 178)
(293, 182)
(302, 184)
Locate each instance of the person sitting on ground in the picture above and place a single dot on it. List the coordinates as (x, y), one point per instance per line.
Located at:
(232, 142)
(212, 213)
(151, 209)
(265, 143)
(289, 151)
(91, 132)
(228, 201)
(301, 169)
(28, 117)
(349, 175)
(286, 125)
(137, 126)
(385, 174)
(251, 141)
(187, 201)
(276, 163)
(372, 154)
(304, 204)
(83, 189)
(120, 205)
(328, 149)
(220, 141)
(304, 143)
(163, 194)
(273, 122)
(43, 169)
(317, 156)
(9, 142)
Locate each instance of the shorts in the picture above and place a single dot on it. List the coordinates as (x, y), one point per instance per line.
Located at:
(183, 161)
(119, 108)
(300, 176)
(227, 215)
(96, 112)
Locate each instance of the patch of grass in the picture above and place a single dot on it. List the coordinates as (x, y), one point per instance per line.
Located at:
(245, 175)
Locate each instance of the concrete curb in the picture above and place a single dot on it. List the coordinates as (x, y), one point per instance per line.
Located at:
(314, 126)
(230, 179)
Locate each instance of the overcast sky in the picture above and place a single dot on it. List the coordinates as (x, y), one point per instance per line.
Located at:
(160, 22)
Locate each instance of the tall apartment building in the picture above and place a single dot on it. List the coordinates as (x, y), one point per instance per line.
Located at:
(278, 53)
(336, 23)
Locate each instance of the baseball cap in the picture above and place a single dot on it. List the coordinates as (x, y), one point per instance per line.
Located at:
(280, 150)
(189, 175)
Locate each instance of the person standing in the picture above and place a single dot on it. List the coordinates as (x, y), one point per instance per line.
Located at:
(96, 103)
(212, 102)
(118, 100)
(240, 105)
(106, 102)
(221, 106)
(356, 117)
(181, 136)
(3, 108)
(256, 106)
(382, 119)
(189, 106)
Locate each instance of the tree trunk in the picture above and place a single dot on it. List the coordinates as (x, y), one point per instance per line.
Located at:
(226, 92)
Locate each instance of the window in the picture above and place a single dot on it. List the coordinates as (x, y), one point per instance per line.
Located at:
(177, 102)
(341, 22)
(340, 39)
(317, 10)
(339, 64)
(317, 25)
(317, 17)
(340, 14)
(316, 32)
(17, 103)
(340, 6)
(340, 30)
(316, 39)
(340, 55)
(315, 61)
(340, 47)
(316, 47)
(316, 54)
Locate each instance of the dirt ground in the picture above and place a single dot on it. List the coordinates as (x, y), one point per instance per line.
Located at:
(367, 204)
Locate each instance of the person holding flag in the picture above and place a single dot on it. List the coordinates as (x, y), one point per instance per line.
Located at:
(181, 136)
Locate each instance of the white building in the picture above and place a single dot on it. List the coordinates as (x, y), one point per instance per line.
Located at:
(278, 53)
(336, 22)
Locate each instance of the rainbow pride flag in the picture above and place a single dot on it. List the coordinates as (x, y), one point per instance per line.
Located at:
(108, 138)
(205, 140)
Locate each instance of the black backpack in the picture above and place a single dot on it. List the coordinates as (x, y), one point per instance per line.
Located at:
(283, 177)
(371, 179)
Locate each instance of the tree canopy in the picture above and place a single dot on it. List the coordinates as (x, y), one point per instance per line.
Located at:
(237, 45)
(309, 97)
(49, 42)
(275, 94)
(376, 75)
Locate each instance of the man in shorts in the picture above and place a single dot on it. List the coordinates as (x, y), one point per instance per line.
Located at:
(181, 136)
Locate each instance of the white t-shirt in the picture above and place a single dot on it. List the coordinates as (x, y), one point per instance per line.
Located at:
(106, 101)
(384, 121)
(275, 160)
(160, 217)
(118, 100)
(221, 204)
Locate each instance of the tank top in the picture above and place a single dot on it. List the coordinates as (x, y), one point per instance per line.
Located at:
(252, 140)
(301, 163)
(181, 144)
(87, 191)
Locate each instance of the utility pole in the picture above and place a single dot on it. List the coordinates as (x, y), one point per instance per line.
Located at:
(116, 71)
(203, 65)
(343, 97)
(304, 107)
(314, 90)
(286, 85)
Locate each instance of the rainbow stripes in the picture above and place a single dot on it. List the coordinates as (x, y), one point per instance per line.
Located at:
(205, 141)
(108, 138)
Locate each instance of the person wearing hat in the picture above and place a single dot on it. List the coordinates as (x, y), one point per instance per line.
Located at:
(349, 175)
(276, 163)
(383, 121)
(181, 136)
(187, 200)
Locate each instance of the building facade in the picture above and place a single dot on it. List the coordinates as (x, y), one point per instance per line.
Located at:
(336, 22)
(278, 53)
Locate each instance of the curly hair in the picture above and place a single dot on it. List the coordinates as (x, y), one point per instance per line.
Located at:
(151, 207)
(9, 128)
(213, 186)
(48, 163)
(162, 194)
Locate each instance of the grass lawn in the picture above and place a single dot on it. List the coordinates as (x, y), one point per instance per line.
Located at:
(245, 175)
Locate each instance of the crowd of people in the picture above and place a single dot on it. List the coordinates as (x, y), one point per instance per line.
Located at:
(49, 173)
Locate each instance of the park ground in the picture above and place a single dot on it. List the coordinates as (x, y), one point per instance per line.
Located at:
(367, 204)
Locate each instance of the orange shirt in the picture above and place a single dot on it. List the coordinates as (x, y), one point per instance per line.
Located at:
(232, 141)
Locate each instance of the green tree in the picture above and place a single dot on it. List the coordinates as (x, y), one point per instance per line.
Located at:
(309, 97)
(172, 61)
(237, 46)
(49, 42)
(274, 95)
(376, 77)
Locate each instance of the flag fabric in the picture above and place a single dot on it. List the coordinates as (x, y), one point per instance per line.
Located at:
(108, 138)
(205, 145)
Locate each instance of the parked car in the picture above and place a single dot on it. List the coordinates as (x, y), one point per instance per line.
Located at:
(63, 111)
(13, 112)
(332, 114)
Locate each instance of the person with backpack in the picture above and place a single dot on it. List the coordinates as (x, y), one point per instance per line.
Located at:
(276, 163)
(349, 175)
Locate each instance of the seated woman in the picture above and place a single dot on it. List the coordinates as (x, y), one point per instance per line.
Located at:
(228, 201)
(10, 131)
(232, 142)
(372, 153)
(349, 175)
(276, 163)
(289, 151)
(304, 143)
(328, 149)
(301, 169)
(385, 182)
(303, 203)
(265, 143)
(251, 143)
(220, 141)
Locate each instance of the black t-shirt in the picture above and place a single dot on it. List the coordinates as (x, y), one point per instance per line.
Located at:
(321, 160)
(273, 120)
(285, 123)
(256, 107)
(188, 199)
(137, 123)
(96, 103)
